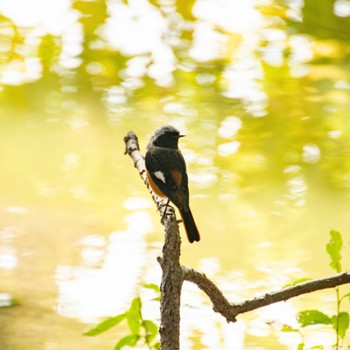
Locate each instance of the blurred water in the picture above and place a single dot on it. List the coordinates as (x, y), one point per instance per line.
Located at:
(262, 94)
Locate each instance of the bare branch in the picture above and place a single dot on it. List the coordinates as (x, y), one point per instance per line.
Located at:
(231, 310)
(220, 303)
(293, 291)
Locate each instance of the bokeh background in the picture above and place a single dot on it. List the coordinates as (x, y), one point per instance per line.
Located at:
(261, 89)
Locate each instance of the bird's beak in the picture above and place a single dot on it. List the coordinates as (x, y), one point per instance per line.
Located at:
(182, 135)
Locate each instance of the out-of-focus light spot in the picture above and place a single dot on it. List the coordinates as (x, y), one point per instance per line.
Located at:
(207, 178)
(229, 127)
(234, 16)
(79, 192)
(205, 79)
(294, 10)
(299, 71)
(163, 65)
(301, 54)
(115, 98)
(211, 266)
(8, 257)
(46, 190)
(139, 221)
(229, 148)
(135, 203)
(227, 197)
(18, 72)
(6, 300)
(297, 189)
(273, 54)
(265, 244)
(77, 123)
(290, 169)
(141, 21)
(242, 82)
(208, 44)
(311, 153)
(189, 155)
(342, 85)
(71, 161)
(173, 107)
(137, 66)
(202, 160)
(334, 134)
(87, 291)
(16, 210)
(258, 328)
(49, 14)
(342, 8)
(92, 256)
(94, 68)
(301, 49)
(94, 240)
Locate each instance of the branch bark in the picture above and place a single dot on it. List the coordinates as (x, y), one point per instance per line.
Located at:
(173, 274)
(231, 310)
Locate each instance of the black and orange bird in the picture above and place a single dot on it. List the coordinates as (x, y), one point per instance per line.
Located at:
(166, 173)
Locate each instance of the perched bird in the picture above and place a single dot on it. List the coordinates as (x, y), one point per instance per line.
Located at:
(166, 172)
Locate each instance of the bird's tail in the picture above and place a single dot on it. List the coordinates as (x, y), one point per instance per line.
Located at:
(190, 226)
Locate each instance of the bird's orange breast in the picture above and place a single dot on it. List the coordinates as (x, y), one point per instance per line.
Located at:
(155, 188)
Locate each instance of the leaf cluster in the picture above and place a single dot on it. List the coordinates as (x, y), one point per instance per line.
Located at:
(140, 330)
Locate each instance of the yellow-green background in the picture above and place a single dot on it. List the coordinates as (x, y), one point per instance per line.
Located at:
(260, 88)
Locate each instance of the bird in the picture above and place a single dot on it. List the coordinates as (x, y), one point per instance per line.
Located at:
(167, 176)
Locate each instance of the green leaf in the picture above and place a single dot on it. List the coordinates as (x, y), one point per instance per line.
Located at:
(151, 330)
(136, 304)
(300, 346)
(156, 346)
(134, 316)
(310, 317)
(105, 325)
(342, 325)
(129, 340)
(152, 286)
(333, 249)
(287, 328)
(155, 288)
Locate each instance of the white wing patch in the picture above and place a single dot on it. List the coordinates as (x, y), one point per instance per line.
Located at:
(159, 175)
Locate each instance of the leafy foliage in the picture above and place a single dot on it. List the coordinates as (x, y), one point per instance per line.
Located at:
(340, 321)
(311, 317)
(140, 330)
(106, 325)
(334, 250)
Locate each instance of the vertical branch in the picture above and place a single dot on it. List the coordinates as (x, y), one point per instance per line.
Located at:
(172, 275)
(170, 286)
